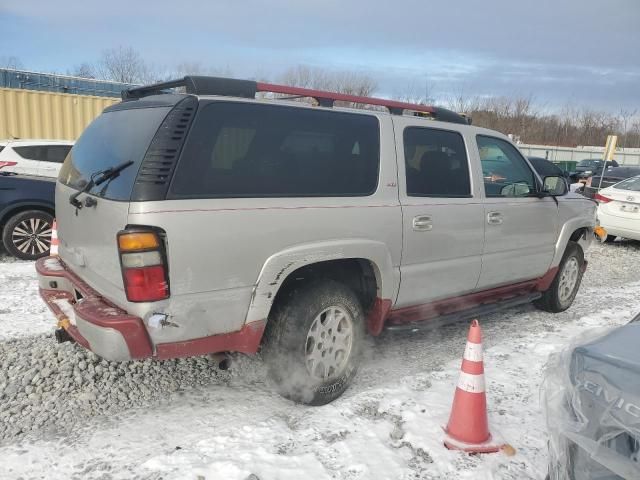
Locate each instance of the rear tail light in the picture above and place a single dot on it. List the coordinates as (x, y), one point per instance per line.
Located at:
(144, 266)
(601, 198)
(7, 164)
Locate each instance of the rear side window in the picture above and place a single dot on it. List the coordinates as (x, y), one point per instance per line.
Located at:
(436, 163)
(249, 150)
(505, 171)
(44, 153)
(56, 153)
(34, 152)
(111, 139)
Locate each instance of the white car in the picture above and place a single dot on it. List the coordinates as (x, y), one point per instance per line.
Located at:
(619, 210)
(34, 157)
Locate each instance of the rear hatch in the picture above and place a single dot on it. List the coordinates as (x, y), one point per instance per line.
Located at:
(88, 243)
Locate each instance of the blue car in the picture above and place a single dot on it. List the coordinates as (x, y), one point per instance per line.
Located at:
(27, 208)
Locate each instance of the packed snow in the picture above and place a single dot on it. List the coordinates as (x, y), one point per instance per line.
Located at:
(186, 419)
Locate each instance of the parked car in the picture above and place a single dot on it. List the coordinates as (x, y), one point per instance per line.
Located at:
(216, 222)
(34, 157)
(619, 209)
(610, 176)
(593, 166)
(26, 214)
(594, 408)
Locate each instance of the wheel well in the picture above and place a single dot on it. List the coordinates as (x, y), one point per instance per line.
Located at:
(23, 208)
(358, 274)
(575, 236)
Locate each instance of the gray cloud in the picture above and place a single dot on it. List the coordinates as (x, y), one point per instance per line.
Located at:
(584, 51)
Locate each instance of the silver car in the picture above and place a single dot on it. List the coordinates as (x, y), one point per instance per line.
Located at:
(211, 221)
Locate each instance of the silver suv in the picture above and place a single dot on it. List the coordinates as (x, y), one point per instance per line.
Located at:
(211, 221)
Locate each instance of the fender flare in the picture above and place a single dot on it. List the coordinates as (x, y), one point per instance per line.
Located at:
(565, 235)
(280, 265)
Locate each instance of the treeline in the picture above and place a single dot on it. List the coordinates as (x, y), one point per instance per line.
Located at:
(571, 127)
(521, 117)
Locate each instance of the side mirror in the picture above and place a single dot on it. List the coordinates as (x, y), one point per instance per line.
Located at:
(555, 186)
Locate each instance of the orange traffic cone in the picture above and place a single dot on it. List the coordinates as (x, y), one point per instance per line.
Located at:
(468, 427)
(53, 249)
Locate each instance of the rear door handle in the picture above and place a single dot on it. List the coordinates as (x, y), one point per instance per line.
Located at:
(495, 218)
(422, 223)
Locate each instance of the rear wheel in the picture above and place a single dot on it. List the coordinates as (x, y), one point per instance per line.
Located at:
(313, 342)
(27, 235)
(560, 295)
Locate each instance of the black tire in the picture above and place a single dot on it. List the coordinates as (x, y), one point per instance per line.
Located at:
(552, 299)
(27, 235)
(610, 239)
(287, 342)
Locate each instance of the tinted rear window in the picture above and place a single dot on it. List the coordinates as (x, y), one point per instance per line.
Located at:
(249, 150)
(113, 138)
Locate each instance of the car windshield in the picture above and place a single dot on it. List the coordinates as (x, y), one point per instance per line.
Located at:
(632, 183)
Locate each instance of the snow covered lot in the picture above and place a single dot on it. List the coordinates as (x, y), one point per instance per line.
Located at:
(64, 413)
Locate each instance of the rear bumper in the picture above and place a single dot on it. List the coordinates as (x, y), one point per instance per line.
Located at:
(111, 332)
(619, 226)
(89, 319)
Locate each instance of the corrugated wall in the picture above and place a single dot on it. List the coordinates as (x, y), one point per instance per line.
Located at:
(34, 114)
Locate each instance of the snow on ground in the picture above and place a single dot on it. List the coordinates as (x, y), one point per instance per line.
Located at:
(386, 426)
(20, 311)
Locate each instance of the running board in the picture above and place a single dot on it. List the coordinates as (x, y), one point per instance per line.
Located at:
(468, 314)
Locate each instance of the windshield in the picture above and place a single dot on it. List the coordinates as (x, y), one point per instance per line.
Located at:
(111, 139)
(588, 163)
(632, 183)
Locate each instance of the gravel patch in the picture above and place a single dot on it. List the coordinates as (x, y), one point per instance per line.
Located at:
(48, 389)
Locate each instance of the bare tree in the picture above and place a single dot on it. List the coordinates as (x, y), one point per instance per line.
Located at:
(625, 121)
(350, 83)
(12, 62)
(124, 64)
(84, 70)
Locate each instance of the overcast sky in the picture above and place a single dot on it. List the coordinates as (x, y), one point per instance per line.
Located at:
(579, 52)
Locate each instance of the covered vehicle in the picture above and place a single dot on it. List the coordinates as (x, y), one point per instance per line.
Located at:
(592, 399)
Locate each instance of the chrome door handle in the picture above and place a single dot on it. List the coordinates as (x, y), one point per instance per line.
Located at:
(495, 218)
(422, 223)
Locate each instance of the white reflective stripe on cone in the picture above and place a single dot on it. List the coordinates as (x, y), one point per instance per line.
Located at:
(473, 352)
(471, 383)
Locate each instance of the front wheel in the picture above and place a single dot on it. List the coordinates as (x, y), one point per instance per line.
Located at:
(27, 235)
(564, 288)
(313, 342)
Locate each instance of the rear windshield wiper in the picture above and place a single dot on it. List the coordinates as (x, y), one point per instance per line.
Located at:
(98, 178)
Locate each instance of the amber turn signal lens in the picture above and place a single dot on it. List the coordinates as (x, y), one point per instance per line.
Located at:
(137, 241)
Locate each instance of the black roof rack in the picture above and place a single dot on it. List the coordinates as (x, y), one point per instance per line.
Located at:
(200, 85)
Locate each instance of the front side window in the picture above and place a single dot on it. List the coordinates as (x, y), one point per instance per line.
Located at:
(435, 163)
(250, 150)
(504, 170)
